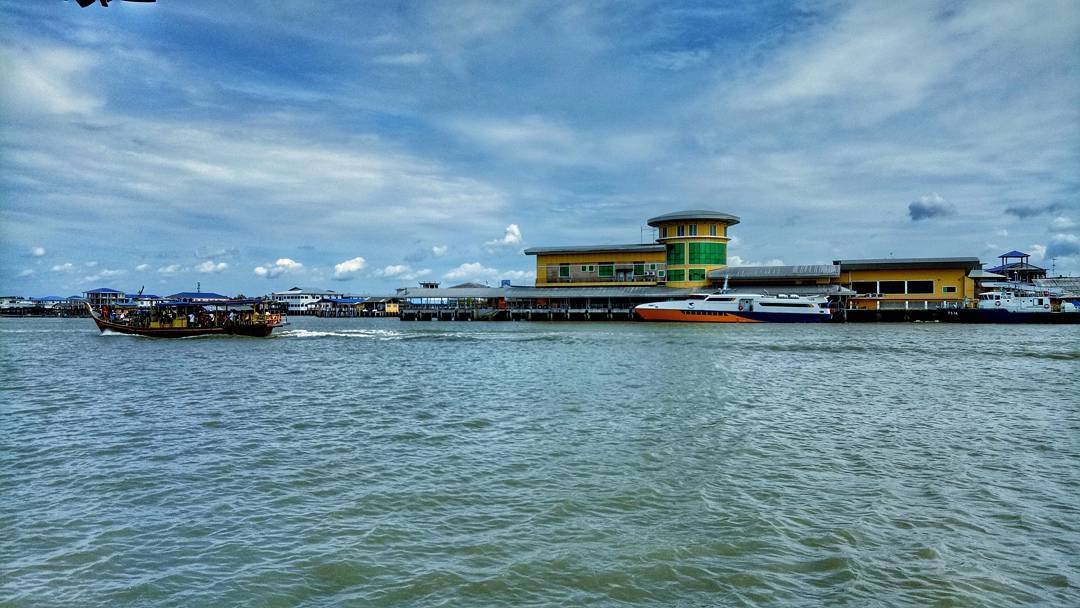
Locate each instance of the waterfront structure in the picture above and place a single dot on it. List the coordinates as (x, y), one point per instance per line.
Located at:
(909, 283)
(104, 296)
(301, 300)
(1017, 266)
(690, 244)
(695, 244)
(196, 297)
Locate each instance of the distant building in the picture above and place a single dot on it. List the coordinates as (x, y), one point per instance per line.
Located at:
(909, 283)
(1016, 266)
(690, 245)
(301, 300)
(103, 296)
(198, 297)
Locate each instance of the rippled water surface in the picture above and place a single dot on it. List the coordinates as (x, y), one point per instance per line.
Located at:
(379, 463)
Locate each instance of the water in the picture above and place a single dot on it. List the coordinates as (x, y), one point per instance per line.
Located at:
(378, 463)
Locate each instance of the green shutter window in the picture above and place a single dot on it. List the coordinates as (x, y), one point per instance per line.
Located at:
(708, 254)
(564, 272)
(697, 274)
(676, 254)
(676, 275)
(652, 266)
(606, 270)
(639, 270)
(661, 273)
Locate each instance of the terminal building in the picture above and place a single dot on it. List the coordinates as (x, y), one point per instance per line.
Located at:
(690, 254)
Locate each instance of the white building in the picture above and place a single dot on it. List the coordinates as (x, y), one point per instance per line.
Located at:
(301, 300)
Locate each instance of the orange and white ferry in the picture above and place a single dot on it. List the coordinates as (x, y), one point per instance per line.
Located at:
(723, 307)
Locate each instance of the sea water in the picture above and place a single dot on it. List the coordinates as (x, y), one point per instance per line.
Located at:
(373, 462)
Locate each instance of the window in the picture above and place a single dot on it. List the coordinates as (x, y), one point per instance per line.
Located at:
(708, 254)
(712, 229)
(890, 286)
(680, 231)
(652, 266)
(676, 254)
(864, 286)
(564, 271)
(948, 289)
(661, 273)
(606, 271)
(639, 269)
(697, 274)
(920, 287)
(676, 275)
(693, 229)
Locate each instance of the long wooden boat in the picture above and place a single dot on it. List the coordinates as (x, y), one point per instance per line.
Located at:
(187, 319)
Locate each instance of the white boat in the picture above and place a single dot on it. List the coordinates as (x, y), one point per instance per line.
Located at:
(725, 307)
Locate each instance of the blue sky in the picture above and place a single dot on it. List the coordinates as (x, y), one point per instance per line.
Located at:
(253, 146)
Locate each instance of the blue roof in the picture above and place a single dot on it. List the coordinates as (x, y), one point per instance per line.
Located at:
(51, 299)
(1014, 254)
(202, 295)
(103, 290)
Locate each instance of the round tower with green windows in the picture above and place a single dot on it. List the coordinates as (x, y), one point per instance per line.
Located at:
(696, 243)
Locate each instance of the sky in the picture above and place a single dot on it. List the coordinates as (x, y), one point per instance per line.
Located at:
(249, 147)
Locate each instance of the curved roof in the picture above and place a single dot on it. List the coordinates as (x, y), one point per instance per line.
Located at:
(695, 214)
(650, 247)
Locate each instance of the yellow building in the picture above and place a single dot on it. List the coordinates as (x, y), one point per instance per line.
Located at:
(695, 243)
(690, 244)
(600, 265)
(909, 283)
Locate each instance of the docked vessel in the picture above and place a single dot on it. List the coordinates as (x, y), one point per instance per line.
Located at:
(186, 319)
(724, 307)
(1019, 303)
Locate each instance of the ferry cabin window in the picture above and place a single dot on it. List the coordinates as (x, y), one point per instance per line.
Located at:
(948, 289)
(891, 286)
(920, 287)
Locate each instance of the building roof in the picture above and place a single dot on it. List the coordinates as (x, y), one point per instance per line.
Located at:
(103, 290)
(511, 293)
(303, 290)
(646, 248)
(695, 214)
(772, 273)
(882, 263)
(1016, 266)
(197, 295)
(984, 274)
(1014, 254)
(1069, 286)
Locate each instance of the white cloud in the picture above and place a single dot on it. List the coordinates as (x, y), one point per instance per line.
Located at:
(734, 260)
(1002, 233)
(278, 268)
(90, 264)
(1063, 246)
(1038, 251)
(37, 252)
(142, 267)
(210, 266)
(1061, 223)
(66, 266)
(404, 59)
(402, 271)
(42, 80)
(472, 271)
(348, 268)
(25, 273)
(511, 238)
(171, 269)
(104, 274)
(439, 250)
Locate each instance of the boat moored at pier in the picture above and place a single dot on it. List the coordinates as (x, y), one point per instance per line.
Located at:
(252, 318)
(1022, 303)
(723, 307)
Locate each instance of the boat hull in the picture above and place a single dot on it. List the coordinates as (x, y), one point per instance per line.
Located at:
(709, 316)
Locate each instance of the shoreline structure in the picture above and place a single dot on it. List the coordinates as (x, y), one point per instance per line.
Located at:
(605, 282)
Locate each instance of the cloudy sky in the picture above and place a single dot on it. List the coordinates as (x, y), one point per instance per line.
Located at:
(253, 146)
